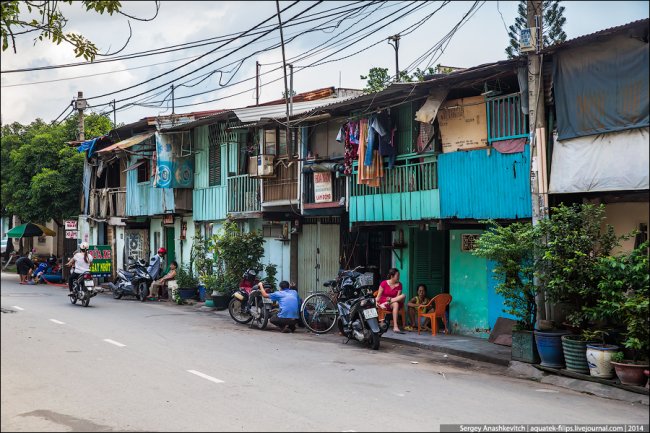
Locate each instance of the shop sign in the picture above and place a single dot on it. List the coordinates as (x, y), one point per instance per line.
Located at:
(71, 234)
(102, 265)
(323, 187)
(70, 224)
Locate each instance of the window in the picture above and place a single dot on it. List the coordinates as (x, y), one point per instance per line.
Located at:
(214, 156)
(270, 142)
(144, 171)
(275, 142)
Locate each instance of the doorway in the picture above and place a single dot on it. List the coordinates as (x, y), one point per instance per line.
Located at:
(429, 262)
(170, 245)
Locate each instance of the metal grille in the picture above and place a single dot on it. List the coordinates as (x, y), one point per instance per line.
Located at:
(411, 175)
(504, 118)
(214, 154)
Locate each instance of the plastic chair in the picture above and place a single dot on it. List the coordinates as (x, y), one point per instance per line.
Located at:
(382, 313)
(440, 303)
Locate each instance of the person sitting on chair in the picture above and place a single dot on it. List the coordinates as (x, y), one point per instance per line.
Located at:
(413, 304)
(390, 296)
(287, 317)
(156, 285)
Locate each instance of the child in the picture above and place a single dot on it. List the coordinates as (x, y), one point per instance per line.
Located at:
(413, 304)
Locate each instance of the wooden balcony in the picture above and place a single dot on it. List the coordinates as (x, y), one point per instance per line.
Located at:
(309, 196)
(107, 202)
(243, 194)
(283, 187)
(407, 192)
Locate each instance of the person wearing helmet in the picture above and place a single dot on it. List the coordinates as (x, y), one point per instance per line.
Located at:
(156, 264)
(81, 261)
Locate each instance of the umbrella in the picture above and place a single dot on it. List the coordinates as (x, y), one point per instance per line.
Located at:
(29, 230)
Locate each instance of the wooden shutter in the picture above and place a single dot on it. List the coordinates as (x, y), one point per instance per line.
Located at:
(429, 262)
(214, 156)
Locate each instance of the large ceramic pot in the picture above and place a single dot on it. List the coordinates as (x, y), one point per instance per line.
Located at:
(630, 374)
(523, 347)
(599, 358)
(220, 300)
(575, 353)
(549, 346)
(187, 292)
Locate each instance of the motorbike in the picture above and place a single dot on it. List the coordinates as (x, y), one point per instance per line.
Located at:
(248, 305)
(83, 288)
(357, 309)
(134, 281)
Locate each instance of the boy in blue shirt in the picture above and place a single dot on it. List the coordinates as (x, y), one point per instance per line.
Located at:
(289, 303)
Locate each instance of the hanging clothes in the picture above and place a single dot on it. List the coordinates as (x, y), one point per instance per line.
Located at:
(363, 130)
(351, 149)
(387, 143)
(369, 175)
(376, 130)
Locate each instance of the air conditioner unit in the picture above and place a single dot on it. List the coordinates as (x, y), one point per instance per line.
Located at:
(252, 166)
(265, 165)
(528, 39)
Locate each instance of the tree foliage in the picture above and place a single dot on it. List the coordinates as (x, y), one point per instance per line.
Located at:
(512, 248)
(46, 20)
(41, 174)
(553, 21)
(379, 78)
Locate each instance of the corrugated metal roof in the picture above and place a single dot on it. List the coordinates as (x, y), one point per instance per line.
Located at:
(312, 95)
(255, 114)
(639, 24)
(136, 139)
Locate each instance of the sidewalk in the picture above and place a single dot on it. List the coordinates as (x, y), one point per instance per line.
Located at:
(477, 349)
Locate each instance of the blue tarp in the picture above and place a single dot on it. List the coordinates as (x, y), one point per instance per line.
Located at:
(88, 145)
(601, 87)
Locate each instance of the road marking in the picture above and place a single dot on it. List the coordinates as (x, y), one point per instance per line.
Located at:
(18, 308)
(205, 376)
(108, 340)
(348, 431)
(548, 390)
(58, 322)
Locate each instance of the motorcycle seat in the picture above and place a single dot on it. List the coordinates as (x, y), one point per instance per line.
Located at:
(128, 274)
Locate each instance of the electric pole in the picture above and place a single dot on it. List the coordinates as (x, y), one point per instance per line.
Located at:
(114, 118)
(395, 44)
(257, 83)
(537, 127)
(172, 99)
(80, 105)
(286, 89)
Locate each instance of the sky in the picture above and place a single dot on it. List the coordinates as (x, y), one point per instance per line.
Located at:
(481, 39)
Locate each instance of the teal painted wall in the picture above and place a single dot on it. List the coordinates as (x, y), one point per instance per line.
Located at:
(210, 202)
(468, 311)
(478, 185)
(142, 199)
(403, 206)
(402, 259)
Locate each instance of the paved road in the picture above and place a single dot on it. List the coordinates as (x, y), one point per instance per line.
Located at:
(123, 365)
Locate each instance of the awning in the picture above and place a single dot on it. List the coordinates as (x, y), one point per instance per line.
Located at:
(134, 166)
(136, 139)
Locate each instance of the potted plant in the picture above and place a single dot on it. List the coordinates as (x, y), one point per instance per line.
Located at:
(187, 283)
(512, 248)
(624, 299)
(271, 271)
(599, 355)
(200, 255)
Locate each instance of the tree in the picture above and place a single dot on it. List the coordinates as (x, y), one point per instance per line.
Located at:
(47, 20)
(552, 23)
(379, 78)
(41, 174)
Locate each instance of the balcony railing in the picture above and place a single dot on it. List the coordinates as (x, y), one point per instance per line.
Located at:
(107, 202)
(505, 119)
(412, 176)
(284, 186)
(243, 194)
(338, 188)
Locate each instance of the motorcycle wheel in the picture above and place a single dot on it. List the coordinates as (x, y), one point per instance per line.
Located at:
(85, 302)
(262, 320)
(73, 298)
(375, 339)
(235, 310)
(117, 293)
(143, 291)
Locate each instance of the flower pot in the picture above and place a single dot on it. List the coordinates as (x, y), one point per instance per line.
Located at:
(599, 358)
(575, 353)
(629, 373)
(549, 346)
(209, 303)
(523, 347)
(187, 292)
(220, 301)
(202, 293)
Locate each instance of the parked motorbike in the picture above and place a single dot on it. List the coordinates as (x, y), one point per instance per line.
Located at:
(248, 305)
(134, 281)
(357, 309)
(83, 288)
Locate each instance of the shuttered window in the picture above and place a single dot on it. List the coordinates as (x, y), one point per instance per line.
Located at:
(214, 156)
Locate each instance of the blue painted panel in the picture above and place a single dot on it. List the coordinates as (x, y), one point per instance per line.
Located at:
(405, 206)
(495, 301)
(142, 199)
(210, 204)
(475, 184)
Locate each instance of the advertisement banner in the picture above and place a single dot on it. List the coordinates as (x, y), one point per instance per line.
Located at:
(323, 187)
(174, 161)
(71, 234)
(102, 265)
(70, 224)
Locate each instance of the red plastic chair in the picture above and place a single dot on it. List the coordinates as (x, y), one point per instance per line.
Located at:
(440, 303)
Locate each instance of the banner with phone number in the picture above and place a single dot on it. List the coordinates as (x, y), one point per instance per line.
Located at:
(102, 265)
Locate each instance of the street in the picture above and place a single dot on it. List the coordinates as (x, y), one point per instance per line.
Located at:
(123, 365)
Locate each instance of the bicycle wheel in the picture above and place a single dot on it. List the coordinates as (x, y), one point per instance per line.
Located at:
(319, 313)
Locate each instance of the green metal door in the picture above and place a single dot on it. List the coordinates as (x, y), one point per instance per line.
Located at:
(170, 246)
(428, 261)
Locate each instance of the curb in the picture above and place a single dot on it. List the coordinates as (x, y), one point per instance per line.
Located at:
(482, 357)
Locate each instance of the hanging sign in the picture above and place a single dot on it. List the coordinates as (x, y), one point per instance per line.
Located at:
(71, 234)
(70, 224)
(323, 187)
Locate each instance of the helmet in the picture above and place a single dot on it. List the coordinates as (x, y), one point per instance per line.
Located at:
(83, 246)
(162, 250)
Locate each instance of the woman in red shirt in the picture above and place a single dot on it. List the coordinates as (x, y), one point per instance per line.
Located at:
(390, 296)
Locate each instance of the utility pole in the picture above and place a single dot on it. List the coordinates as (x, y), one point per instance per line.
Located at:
(286, 89)
(395, 44)
(172, 99)
(80, 105)
(537, 127)
(114, 118)
(257, 83)
(291, 90)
